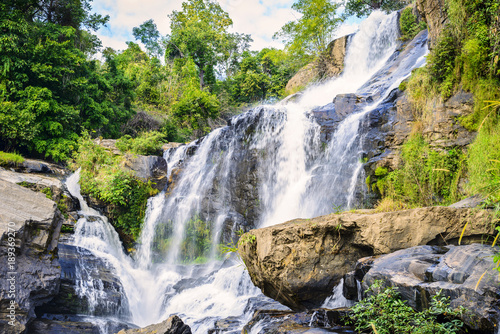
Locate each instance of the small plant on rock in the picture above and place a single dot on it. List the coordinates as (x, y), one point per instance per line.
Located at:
(384, 312)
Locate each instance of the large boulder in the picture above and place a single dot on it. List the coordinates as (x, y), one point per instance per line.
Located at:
(30, 274)
(34, 182)
(173, 325)
(466, 274)
(299, 262)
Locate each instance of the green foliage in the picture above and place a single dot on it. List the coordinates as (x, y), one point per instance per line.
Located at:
(384, 310)
(7, 159)
(147, 143)
(311, 33)
(365, 7)
(484, 159)
(427, 177)
(148, 34)
(47, 192)
(103, 178)
(197, 241)
(409, 25)
(49, 90)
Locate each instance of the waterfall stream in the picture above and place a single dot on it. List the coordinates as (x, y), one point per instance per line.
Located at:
(267, 166)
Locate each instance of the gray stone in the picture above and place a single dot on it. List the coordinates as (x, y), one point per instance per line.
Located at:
(148, 168)
(421, 272)
(31, 223)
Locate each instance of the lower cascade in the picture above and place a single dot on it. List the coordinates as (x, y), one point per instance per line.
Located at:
(299, 159)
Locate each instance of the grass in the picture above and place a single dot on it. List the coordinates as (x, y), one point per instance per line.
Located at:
(388, 204)
(8, 159)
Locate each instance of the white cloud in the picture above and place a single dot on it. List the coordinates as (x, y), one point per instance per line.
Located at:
(259, 18)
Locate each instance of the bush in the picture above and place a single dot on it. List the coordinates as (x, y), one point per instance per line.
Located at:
(384, 311)
(484, 159)
(147, 143)
(7, 159)
(427, 177)
(409, 25)
(103, 178)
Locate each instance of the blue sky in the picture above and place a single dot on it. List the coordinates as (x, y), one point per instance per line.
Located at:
(259, 18)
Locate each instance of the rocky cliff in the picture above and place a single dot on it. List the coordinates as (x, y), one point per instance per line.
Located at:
(299, 262)
(325, 67)
(30, 273)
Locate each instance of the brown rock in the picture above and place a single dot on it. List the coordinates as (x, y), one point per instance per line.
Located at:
(434, 14)
(299, 262)
(329, 66)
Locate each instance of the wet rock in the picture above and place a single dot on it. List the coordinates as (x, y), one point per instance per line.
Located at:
(299, 262)
(173, 325)
(31, 224)
(421, 272)
(469, 202)
(81, 270)
(314, 321)
(148, 168)
(69, 324)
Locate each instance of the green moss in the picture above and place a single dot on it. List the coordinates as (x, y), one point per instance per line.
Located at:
(7, 159)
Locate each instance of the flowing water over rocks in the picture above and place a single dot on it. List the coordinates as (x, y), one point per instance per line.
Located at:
(269, 165)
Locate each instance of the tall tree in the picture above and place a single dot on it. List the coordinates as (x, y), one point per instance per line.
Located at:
(365, 7)
(199, 31)
(149, 35)
(311, 33)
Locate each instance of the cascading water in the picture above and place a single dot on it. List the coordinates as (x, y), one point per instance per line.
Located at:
(267, 166)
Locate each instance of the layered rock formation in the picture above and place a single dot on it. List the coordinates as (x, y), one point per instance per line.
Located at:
(299, 262)
(30, 274)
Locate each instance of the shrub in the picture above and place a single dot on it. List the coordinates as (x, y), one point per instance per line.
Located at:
(384, 310)
(426, 177)
(147, 143)
(103, 178)
(409, 25)
(10, 159)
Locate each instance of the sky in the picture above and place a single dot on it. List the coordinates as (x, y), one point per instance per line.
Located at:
(259, 18)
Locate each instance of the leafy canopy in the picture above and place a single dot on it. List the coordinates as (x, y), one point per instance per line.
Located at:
(312, 32)
(365, 7)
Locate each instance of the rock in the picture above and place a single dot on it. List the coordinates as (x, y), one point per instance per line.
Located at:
(148, 168)
(34, 182)
(287, 322)
(434, 14)
(33, 222)
(421, 272)
(172, 325)
(80, 268)
(327, 67)
(299, 262)
(75, 325)
(443, 130)
(168, 146)
(469, 202)
(108, 144)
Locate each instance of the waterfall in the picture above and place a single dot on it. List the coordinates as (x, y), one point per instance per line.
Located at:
(267, 166)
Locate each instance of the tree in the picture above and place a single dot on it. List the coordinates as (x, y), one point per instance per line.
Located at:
(199, 31)
(148, 34)
(311, 33)
(365, 7)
